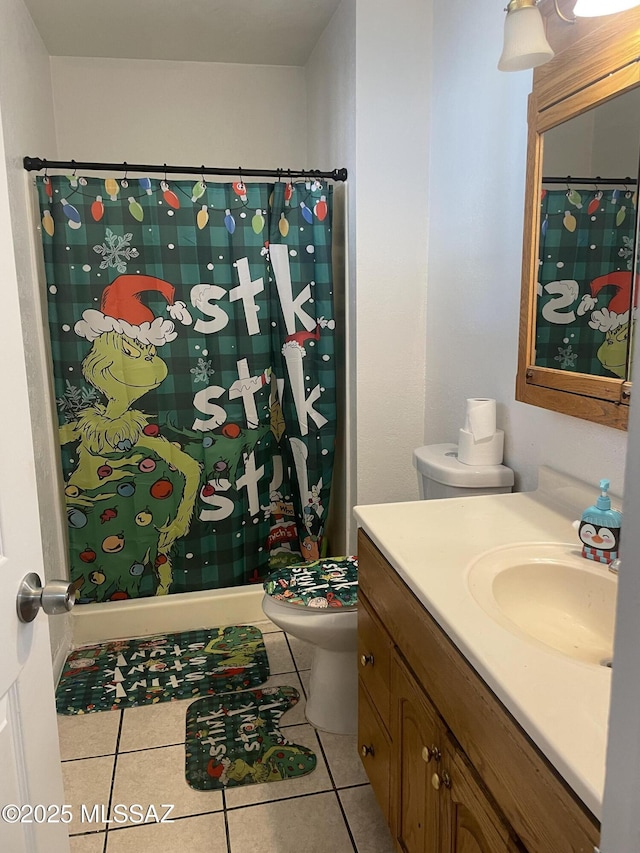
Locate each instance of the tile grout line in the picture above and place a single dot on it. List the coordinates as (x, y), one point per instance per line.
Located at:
(335, 791)
(292, 797)
(226, 820)
(326, 761)
(295, 664)
(125, 827)
(113, 780)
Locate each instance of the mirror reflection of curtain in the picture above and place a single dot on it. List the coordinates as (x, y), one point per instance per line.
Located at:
(193, 358)
(585, 280)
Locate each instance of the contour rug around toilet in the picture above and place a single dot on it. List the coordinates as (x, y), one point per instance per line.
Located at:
(317, 602)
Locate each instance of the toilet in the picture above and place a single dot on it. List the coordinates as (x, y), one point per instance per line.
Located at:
(442, 475)
(317, 602)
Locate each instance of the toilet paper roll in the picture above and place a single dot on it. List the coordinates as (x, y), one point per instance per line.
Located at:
(487, 451)
(480, 418)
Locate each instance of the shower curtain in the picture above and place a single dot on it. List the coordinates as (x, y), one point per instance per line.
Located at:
(585, 274)
(191, 329)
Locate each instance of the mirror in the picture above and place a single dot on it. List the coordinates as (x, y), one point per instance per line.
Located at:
(580, 232)
(586, 241)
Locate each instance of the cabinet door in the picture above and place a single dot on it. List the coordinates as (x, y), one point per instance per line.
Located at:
(418, 739)
(374, 750)
(470, 822)
(374, 659)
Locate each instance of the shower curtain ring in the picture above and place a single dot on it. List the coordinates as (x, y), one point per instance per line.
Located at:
(75, 168)
(204, 183)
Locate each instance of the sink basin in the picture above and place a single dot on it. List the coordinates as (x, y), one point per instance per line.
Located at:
(550, 595)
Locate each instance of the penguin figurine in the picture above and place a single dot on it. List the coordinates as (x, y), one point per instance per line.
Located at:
(599, 529)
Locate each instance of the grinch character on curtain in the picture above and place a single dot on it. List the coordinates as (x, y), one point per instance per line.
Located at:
(132, 492)
(615, 320)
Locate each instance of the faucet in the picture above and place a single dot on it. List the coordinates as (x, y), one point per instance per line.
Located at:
(614, 566)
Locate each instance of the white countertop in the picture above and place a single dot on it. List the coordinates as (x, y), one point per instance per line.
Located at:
(562, 704)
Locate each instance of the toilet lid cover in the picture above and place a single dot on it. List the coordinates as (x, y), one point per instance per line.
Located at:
(332, 582)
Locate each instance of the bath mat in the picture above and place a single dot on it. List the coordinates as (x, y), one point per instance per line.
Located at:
(235, 740)
(126, 673)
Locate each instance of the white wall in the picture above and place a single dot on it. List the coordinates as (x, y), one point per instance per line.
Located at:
(25, 95)
(478, 149)
(393, 60)
(187, 113)
(330, 80)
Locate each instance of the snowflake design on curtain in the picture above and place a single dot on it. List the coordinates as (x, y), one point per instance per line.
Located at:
(202, 371)
(116, 251)
(566, 357)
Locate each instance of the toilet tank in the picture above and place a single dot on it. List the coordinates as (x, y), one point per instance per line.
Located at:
(442, 475)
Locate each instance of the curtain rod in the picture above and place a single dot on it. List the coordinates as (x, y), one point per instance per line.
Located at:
(595, 181)
(36, 164)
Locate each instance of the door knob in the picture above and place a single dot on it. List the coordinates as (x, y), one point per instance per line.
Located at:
(429, 753)
(366, 750)
(366, 660)
(437, 781)
(57, 596)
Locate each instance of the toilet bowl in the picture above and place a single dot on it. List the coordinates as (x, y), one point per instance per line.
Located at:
(317, 603)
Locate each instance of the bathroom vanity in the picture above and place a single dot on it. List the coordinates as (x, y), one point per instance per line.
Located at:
(474, 738)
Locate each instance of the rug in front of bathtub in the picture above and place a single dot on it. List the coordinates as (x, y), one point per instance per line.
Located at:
(235, 740)
(126, 673)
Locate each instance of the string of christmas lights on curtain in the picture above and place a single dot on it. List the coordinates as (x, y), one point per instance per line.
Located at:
(113, 187)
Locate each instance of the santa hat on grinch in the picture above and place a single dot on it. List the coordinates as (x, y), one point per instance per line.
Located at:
(124, 312)
(616, 313)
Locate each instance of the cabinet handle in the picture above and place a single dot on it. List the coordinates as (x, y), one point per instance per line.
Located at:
(366, 660)
(430, 752)
(366, 750)
(444, 780)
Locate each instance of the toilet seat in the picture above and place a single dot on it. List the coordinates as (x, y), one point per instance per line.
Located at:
(319, 585)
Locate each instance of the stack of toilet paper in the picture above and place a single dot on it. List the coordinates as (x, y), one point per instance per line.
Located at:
(479, 442)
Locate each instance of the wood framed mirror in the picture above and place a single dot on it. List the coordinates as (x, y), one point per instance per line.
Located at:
(580, 255)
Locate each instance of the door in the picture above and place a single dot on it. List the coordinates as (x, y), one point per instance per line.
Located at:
(30, 772)
(417, 737)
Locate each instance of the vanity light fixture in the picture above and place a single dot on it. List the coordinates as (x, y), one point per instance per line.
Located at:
(525, 43)
(595, 8)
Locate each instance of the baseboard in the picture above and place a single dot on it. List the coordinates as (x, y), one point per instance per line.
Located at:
(97, 623)
(60, 656)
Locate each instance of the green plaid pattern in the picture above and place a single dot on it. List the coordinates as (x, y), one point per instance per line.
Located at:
(190, 235)
(235, 740)
(127, 673)
(601, 243)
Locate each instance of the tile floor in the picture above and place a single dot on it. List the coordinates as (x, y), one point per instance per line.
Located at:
(137, 756)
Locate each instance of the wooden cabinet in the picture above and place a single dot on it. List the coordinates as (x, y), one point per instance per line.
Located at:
(417, 755)
(451, 768)
(374, 667)
(471, 822)
(375, 750)
(441, 806)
